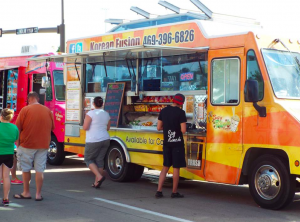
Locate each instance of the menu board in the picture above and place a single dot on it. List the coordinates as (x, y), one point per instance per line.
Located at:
(12, 81)
(73, 94)
(113, 101)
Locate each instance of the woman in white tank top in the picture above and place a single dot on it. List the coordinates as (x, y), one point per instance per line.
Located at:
(96, 125)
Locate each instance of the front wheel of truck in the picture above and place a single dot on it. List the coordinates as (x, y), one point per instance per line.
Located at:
(271, 185)
(56, 154)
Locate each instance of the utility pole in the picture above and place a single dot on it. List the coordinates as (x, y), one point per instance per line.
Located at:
(61, 29)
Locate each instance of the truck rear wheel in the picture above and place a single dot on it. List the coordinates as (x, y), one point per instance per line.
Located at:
(56, 154)
(271, 184)
(137, 172)
(118, 168)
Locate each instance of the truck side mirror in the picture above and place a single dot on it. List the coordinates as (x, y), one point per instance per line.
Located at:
(45, 82)
(251, 95)
(42, 92)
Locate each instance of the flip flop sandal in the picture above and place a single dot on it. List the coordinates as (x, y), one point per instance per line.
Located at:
(100, 182)
(20, 196)
(39, 199)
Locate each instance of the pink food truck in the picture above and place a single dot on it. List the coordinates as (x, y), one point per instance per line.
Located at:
(18, 77)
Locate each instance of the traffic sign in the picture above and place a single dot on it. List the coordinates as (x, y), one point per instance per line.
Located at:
(0, 32)
(27, 30)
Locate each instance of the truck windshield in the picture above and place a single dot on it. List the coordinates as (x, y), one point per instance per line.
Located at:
(284, 72)
(59, 87)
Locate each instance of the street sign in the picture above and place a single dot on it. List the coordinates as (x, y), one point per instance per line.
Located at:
(0, 32)
(27, 30)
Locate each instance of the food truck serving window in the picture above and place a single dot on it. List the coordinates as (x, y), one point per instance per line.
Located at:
(96, 80)
(174, 73)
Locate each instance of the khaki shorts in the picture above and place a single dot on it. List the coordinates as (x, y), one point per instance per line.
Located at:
(31, 159)
(95, 153)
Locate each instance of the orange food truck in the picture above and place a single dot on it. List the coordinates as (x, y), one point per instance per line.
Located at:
(242, 93)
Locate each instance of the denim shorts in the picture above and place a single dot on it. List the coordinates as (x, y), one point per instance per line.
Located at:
(31, 159)
(95, 153)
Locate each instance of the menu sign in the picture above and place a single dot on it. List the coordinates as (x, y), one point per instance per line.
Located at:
(73, 94)
(113, 101)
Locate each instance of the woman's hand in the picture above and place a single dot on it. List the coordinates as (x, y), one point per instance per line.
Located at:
(108, 125)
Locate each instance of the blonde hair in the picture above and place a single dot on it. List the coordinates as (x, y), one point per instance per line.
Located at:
(7, 114)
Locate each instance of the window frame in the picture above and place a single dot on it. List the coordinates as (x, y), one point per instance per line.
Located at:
(259, 71)
(198, 61)
(269, 79)
(211, 82)
(51, 85)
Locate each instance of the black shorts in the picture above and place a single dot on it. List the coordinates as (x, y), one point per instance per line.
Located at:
(7, 160)
(174, 156)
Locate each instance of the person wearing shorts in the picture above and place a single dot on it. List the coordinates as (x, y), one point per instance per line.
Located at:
(35, 123)
(96, 124)
(9, 133)
(172, 120)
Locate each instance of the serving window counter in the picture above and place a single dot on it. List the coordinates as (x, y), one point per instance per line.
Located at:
(152, 77)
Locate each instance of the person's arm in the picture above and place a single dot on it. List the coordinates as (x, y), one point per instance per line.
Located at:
(17, 142)
(108, 125)
(19, 124)
(87, 122)
(183, 121)
(159, 125)
(159, 122)
(19, 121)
(183, 127)
(17, 135)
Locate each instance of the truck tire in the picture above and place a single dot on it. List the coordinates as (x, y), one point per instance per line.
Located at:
(116, 165)
(136, 172)
(56, 154)
(271, 185)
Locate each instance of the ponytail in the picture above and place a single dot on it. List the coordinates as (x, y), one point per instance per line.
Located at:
(98, 101)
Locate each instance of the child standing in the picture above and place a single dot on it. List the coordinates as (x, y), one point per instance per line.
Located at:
(9, 133)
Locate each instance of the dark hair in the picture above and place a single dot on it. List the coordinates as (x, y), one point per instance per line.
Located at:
(33, 95)
(7, 114)
(98, 101)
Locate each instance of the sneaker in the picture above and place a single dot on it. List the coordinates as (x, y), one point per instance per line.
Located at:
(5, 202)
(16, 181)
(159, 194)
(177, 195)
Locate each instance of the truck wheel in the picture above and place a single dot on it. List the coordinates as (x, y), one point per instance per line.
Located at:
(271, 184)
(116, 165)
(136, 172)
(56, 154)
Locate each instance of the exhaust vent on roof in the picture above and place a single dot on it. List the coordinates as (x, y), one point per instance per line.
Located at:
(28, 49)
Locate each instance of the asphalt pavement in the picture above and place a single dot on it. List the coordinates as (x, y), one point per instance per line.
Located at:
(68, 196)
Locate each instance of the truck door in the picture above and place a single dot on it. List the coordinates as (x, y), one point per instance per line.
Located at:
(224, 113)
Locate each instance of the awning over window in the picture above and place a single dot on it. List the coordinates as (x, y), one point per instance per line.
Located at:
(134, 52)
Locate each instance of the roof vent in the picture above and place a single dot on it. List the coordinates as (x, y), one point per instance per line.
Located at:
(29, 49)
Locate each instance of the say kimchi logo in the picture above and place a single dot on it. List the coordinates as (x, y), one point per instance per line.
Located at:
(229, 124)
